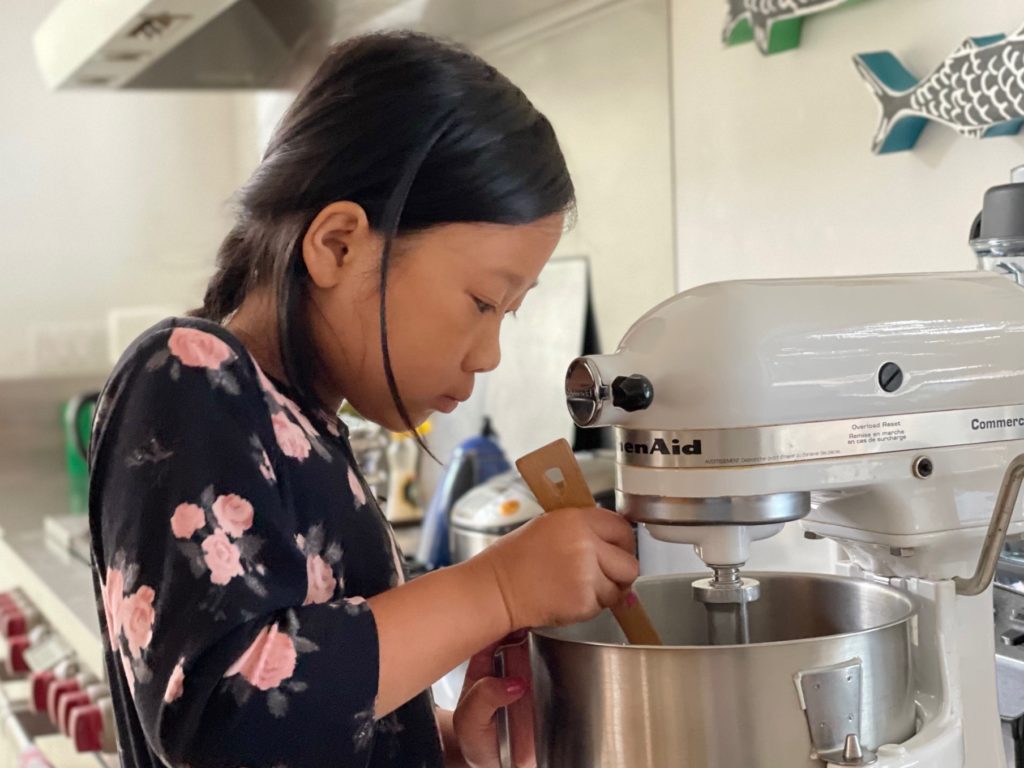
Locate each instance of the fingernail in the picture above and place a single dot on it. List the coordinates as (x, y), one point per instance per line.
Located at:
(515, 686)
(631, 599)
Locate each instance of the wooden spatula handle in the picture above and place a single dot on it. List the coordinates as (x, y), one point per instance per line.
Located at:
(555, 477)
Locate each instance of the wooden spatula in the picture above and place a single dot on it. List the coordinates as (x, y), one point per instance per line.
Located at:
(555, 477)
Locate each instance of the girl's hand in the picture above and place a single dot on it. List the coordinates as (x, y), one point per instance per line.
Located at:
(475, 721)
(563, 567)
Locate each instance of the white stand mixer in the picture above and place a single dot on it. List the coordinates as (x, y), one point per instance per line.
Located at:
(886, 413)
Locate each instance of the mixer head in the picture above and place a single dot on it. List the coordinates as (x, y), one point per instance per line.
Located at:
(734, 403)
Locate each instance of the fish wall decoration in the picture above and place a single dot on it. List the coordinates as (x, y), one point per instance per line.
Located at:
(773, 24)
(978, 91)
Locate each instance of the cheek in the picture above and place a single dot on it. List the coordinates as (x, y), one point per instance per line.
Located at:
(431, 327)
(426, 346)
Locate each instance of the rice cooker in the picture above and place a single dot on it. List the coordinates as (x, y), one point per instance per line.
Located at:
(503, 503)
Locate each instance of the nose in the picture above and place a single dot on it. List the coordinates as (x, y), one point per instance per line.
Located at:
(485, 354)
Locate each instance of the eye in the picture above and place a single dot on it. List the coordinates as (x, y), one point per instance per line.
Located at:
(483, 307)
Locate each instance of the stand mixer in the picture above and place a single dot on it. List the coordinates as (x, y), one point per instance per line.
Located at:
(884, 413)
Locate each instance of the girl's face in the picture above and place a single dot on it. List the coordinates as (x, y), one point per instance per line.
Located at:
(449, 289)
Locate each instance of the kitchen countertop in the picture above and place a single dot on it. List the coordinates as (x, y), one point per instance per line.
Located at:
(59, 584)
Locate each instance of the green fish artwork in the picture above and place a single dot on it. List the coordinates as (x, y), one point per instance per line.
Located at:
(978, 90)
(773, 24)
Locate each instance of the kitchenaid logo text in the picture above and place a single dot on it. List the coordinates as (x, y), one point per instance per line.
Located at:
(978, 424)
(663, 447)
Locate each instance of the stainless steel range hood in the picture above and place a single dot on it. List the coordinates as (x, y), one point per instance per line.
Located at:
(211, 44)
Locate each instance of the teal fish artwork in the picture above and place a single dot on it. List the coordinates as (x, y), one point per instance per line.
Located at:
(774, 25)
(978, 91)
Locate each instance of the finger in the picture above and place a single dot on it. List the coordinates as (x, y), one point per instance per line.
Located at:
(520, 723)
(481, 664)
(612, 528)
(520, 712)
(476, 711)
(617, 564)
(608, 592)
(517, 662)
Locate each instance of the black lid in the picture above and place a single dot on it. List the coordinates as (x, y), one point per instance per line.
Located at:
(1003, 214)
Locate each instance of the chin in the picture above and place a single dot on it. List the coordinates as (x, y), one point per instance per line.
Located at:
(393, 422)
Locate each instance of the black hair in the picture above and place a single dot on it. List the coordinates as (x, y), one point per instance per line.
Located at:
(418, 132)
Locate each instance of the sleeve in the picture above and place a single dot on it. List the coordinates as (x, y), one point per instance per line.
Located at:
(234, 645)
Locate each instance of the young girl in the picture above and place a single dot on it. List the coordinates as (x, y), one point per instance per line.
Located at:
(252, 592)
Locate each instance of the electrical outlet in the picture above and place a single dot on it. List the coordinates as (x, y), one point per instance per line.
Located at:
(68, 348)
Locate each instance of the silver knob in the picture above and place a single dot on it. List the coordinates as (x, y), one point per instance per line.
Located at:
(852, 753)
(585, 393)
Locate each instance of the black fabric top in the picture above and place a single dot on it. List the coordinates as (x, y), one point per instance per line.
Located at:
(234, 544)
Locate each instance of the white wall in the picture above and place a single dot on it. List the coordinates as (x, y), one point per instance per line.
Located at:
(108, 199)
(775, 176)
(604, 84)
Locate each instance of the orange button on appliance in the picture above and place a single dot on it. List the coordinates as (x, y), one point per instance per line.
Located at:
(509, 507)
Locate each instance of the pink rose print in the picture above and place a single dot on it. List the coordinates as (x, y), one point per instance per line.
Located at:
(356, 487)
(222, 558)
(198, 349)
(176, 683)
(300, 417)
(290, 437)
(320, 579)
(269, 661)
(137, 617)
(266, 468)
(187, 519)
(113, 596)
(233, 513)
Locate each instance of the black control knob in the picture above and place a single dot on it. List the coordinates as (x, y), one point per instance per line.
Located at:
(632, 393)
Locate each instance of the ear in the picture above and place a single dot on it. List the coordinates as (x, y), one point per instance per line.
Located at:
(339, 236)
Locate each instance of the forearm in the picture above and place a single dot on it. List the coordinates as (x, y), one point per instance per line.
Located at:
(429, 626)
(452, 752)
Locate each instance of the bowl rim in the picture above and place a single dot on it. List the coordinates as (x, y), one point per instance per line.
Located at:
(911, 602)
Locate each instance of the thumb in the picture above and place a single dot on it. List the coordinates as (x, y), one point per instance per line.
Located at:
(486, 697)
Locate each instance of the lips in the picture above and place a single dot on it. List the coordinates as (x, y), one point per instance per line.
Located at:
(449, 402)
(446, 404)
(460, 396)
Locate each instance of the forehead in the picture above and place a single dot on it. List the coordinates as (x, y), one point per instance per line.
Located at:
(513, 252)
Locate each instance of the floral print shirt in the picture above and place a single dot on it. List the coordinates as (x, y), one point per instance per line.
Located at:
(234, 546)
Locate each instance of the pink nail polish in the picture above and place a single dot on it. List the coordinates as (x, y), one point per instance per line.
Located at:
(515, 686)
(631, 599)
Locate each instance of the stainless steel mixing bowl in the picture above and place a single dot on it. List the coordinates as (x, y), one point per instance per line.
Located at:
(690, 705)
